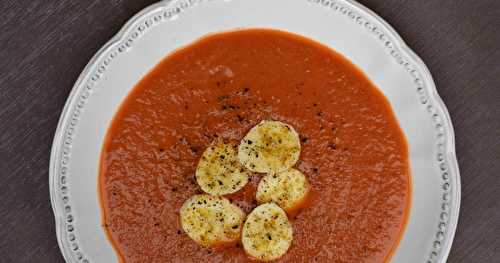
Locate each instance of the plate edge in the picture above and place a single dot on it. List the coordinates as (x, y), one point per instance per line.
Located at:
(70, 101)
(121, 35)
(451, 148)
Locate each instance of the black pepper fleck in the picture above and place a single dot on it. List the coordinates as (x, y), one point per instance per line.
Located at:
(332, 146)
(194, 149)
(223, 97)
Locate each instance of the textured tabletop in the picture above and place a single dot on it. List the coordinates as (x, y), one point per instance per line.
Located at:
(45, 44)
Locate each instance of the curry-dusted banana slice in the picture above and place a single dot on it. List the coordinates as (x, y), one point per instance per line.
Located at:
(211, 221)
(219, 172)
(267, 233)
(270, 147)
(288, 189)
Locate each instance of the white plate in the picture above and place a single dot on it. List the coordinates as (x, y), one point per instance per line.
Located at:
(346, 26)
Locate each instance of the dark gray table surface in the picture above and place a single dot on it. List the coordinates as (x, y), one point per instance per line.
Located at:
(45, 44)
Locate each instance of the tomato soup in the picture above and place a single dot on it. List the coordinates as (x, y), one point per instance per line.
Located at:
(354, 153)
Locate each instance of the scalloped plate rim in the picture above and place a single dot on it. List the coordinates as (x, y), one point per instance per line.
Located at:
(121, 35)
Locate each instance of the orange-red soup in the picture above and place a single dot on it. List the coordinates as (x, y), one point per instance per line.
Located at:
(353, 150)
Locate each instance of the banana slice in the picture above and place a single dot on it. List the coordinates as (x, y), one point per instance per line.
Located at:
(219, 171)
(211, 221)
(267, 233)
(270, 147)
(288, 189)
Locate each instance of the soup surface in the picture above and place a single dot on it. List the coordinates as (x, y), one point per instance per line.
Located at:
(354, 153)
